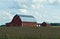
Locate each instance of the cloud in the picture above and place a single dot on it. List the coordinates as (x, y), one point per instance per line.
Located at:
(45, 8)
(23, 11)
(5, 17)
(39, 1)
(42, 10)
(8, 4)
(51, 1)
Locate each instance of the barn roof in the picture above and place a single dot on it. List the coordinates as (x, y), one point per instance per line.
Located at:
(27, 18)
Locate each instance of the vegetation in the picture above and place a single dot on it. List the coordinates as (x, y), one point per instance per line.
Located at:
(29, 33)
(55, 24)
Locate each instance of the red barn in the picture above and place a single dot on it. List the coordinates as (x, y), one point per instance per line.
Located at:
(44, 24)
(22, 20)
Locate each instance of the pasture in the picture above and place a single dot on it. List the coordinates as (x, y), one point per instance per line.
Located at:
(29, 33)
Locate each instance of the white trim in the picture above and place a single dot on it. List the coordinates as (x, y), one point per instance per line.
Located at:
(22, 24)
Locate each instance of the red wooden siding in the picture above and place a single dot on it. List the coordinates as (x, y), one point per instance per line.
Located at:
(44, 24)
(29, 23)
(15, 22)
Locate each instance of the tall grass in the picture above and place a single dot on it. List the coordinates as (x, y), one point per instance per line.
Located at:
(29, 33)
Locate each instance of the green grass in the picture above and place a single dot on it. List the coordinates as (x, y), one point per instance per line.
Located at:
(29, 33)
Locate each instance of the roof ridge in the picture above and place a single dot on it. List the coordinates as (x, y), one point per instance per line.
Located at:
(25, 15)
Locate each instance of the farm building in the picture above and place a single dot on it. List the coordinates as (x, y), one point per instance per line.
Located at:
(22, 20)
(44, 24)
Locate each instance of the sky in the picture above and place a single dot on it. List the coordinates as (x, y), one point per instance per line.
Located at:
(42, 10)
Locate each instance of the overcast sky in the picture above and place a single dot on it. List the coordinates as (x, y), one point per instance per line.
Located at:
(42, 10)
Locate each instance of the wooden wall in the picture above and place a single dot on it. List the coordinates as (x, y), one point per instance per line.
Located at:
(16, 21)
(29, 24)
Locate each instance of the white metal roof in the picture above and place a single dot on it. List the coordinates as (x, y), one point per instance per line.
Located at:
(27, 18)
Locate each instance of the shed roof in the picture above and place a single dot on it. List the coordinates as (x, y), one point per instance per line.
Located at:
(27, 18)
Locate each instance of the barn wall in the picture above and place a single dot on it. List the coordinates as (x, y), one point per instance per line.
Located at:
(29, 24)
(8, 24)
(16, 21)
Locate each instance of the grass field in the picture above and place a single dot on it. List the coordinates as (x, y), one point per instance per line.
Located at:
(29, 33)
